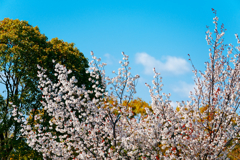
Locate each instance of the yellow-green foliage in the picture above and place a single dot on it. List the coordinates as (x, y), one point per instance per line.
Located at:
(138, 106)
(22, 47)
(235, 154)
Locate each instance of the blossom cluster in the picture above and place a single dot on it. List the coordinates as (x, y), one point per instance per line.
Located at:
(206, 127)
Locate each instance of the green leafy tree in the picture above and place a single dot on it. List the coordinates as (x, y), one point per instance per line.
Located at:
(22, 47)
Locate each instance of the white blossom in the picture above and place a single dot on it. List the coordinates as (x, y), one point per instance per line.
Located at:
(198, 128)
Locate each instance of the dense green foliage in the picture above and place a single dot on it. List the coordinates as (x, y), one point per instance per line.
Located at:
(22, 47)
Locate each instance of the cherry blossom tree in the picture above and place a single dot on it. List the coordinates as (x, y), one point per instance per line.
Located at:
(191, 132)
(205, 127)
(95, 132)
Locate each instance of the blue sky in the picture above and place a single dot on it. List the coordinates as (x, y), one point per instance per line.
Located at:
(156, 34)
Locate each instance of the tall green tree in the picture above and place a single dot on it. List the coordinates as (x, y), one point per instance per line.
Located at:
(22, 47)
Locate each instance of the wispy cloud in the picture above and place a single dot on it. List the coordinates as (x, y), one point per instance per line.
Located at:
(109, 59)
(170, 64)
(183, 89)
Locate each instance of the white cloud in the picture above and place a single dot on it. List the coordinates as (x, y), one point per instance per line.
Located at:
(183, 89)
(109, 58)
(172, 65)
